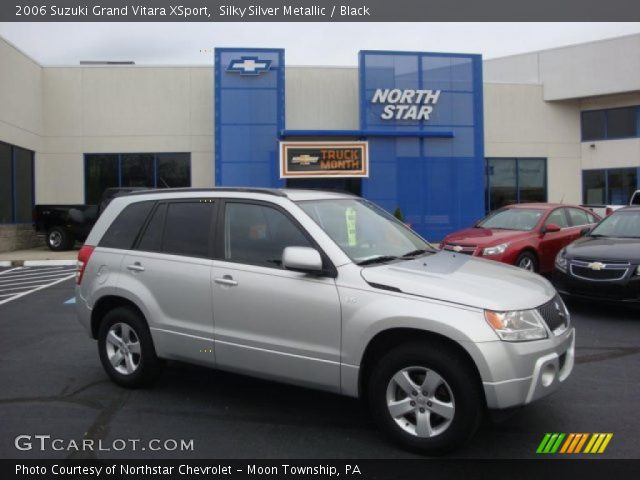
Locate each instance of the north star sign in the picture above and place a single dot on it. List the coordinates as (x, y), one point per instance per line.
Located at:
(406, 104)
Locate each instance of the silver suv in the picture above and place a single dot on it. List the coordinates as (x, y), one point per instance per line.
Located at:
(323, 290)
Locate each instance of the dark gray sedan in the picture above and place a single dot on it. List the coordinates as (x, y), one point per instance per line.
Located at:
(605, 263)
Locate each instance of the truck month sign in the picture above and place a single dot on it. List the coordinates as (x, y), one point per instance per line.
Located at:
(322, 159)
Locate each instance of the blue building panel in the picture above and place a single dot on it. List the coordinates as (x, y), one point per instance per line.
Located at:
(439, 182)
(430, 165)
(249, 115)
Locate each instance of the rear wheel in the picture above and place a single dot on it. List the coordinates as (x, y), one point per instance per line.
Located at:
(126, 349)
(425, 397)
(59, 238)
(527, 261)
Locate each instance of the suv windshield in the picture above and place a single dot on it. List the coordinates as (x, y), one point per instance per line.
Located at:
(365, 232)
(621, 225)
(513, 219)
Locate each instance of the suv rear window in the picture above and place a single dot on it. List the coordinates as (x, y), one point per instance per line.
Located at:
(123, 231)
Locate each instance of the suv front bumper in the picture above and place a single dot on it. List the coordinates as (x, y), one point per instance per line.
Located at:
(532, 369)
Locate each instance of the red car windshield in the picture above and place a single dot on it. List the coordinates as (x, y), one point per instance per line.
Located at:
(513, 219)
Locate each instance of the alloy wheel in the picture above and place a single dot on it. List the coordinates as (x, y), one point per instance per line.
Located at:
(420, 401)
(123, 348)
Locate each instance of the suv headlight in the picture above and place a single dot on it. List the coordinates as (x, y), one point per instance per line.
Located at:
(517, 325)
(561, 260)
(638, 270)
(497, 250)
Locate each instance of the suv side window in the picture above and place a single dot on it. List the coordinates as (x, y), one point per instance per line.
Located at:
(187, 228)
(258, 234)
(151, 240)
(578, 217)
(558, 217)
(123, 231)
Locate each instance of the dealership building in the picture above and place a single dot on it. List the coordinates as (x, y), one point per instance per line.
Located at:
(440, 137)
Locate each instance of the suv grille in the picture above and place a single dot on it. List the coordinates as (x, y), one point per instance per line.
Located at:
(555, 314)
(592, 270)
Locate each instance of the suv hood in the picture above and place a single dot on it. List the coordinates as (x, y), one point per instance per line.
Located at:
(464, 280)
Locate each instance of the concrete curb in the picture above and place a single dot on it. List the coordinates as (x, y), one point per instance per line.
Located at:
(37, 263)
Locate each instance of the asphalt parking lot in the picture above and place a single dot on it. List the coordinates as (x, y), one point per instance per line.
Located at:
(53, 384)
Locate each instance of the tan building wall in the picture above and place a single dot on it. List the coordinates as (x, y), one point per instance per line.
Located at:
(20, 98)
(518, 123)
(122, 110)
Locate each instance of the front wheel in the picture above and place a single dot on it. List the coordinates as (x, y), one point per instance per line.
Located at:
(425, 397)
(527, 261)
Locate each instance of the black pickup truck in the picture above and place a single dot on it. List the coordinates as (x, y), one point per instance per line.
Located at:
(63, 225)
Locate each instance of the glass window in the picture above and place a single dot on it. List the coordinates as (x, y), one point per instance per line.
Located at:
(257, 234)
(593, 125)
(364, 231)
(123, 231)
(621, 224)
(137, 170)
(151, 170)
(579, 217)
(151, 240)
(557, 217)
(174, 170)
(621, 122)
(188, 229)
(101, 172)
(513, 219)
(16, 184)
(502, 182)
(622, 182)
(6, 184)
(594, 187)
(531, 180)
(515, 180)
(23, 185)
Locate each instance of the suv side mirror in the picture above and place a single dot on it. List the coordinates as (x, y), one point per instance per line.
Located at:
(585, 231)
(551, 228)
(302, 259)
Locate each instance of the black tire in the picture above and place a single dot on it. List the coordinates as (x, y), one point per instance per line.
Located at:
(527, 261)
(462, 389)
(59, 239)
(148, 365)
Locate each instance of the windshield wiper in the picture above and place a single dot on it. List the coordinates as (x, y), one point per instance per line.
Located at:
(379, 259)
(415, 253)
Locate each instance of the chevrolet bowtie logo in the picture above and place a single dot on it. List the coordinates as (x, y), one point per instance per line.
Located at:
(305, 159)
(249, 66)
(596, 266)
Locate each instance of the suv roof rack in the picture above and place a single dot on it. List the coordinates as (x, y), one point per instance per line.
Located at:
(268, 191)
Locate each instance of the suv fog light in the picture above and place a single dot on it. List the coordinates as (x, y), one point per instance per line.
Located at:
(548, 375)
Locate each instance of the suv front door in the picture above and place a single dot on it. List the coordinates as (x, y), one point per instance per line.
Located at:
(269, 321)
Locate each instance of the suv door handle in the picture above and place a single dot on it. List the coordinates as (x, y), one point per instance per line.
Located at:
(136, 267)
(226, 280)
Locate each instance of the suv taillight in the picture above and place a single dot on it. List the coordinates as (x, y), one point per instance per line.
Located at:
(83, 259)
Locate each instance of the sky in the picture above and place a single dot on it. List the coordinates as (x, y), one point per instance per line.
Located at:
(305, 43)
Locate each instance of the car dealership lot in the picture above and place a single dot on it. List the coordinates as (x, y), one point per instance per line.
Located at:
(53, 384)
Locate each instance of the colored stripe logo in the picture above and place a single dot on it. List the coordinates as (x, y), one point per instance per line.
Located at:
(574, 443)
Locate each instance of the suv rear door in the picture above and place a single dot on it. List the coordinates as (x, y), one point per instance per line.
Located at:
(269, 321)
(170, 271)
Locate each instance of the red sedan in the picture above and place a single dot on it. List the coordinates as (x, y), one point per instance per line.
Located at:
(528, 235)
